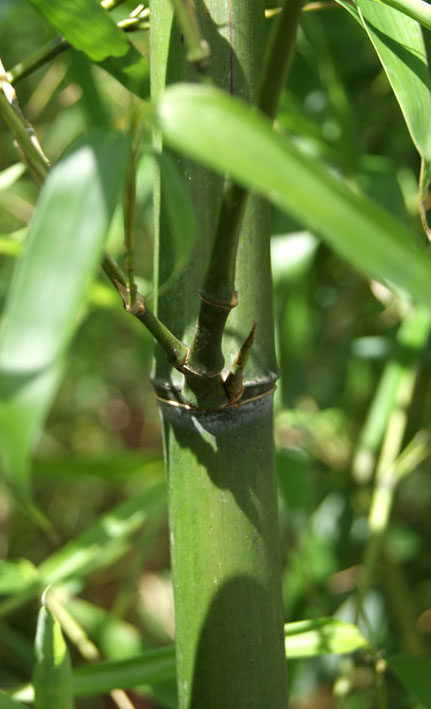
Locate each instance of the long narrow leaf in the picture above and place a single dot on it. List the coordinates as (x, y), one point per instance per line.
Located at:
(86, 25)
(50, 282)
(52, 678)
(225, 134)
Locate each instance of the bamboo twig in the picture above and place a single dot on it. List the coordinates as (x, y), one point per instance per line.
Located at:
(198, 49)
(218, 295)
(176, 350)
(37, 161)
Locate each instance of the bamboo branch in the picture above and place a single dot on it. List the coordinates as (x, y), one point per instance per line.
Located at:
(35, 158)
(218, 295)
(22, 129)
(175, 349)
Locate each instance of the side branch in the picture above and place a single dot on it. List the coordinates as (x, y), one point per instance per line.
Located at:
(218, 295)
(176, 350)
(33, 155)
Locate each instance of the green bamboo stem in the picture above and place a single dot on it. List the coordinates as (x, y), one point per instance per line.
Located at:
(21, 129)
(225, 557)
(220, 460)
(218, 294)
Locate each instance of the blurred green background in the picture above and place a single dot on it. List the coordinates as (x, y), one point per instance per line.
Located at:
(337, 334)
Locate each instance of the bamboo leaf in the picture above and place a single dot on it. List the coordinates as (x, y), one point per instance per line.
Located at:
(50, 282)
(322, 636)
(86, 25)
(225, 134)
(52, 677)
(152, 667)
(94, 548)
(400, 46)
(132, 70)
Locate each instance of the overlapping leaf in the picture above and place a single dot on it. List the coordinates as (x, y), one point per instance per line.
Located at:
(86, 25)
(223, 133)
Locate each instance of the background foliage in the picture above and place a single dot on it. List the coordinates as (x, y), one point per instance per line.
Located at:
(98, 465)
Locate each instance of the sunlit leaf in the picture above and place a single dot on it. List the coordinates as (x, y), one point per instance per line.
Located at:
(415, 9)
(52, 677)
(86, 25)
(50, 282)
(322, 636)
(225, 134)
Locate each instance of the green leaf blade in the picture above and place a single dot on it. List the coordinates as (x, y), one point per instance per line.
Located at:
(52, 677)
(86, 25)
(255, 155)
(51, 279)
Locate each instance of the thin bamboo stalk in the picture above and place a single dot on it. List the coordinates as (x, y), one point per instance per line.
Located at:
(220, 461)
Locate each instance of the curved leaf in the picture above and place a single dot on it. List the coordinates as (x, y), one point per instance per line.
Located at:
(225, 134)
(51, 279)
(399, 43)
(86, 25)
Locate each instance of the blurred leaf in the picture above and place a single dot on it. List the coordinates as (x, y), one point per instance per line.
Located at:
(151, 667)
(118, 467)
(86, 25)
(93, 548)
(99, 545)
(322, 636)
(52, 677)
(113, 636)
(293, 478)
(8, 703)
(180, 212)
(10, 175)
(190, 117)
(15, 574)
(414, 671)
(49, 285)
